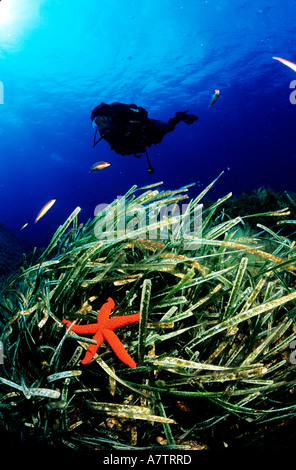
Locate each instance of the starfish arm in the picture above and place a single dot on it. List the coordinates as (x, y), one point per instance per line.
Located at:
(118, 348)
(105, 311)
(115, 322)
(82, 329)
(92, 349)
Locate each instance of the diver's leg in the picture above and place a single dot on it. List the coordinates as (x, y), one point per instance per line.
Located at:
(182, 116)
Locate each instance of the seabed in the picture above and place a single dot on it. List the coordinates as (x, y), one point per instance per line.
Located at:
(214, 345)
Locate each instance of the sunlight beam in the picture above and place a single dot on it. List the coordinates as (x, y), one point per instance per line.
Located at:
(5, 12)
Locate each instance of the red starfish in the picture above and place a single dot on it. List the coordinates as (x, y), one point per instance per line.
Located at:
(103, 330)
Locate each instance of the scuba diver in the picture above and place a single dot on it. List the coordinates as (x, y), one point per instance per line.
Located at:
(128, 130)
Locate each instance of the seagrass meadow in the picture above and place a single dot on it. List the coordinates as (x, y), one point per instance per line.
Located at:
(212, 346)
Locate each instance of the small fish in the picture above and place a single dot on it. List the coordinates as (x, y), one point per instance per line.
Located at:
(44, 209)
(24, 226)
(286, 62)
(99, 166)
(214, 97)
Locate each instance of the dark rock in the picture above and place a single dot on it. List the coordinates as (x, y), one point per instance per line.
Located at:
(11, 251)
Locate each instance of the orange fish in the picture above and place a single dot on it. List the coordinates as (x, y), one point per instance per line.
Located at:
(99, 166)
(44, 209)
(287, 63)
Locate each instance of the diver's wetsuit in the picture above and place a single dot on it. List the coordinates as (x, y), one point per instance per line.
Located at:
(128, 130)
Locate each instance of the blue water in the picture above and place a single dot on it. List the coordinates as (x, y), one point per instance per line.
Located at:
(61, 58)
